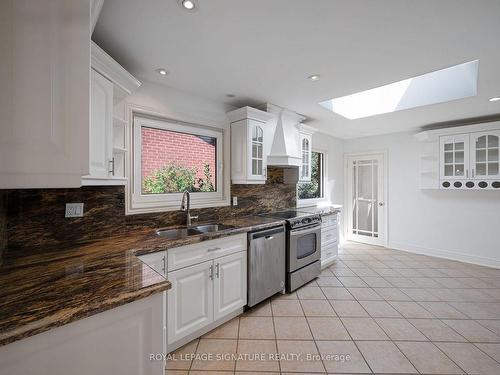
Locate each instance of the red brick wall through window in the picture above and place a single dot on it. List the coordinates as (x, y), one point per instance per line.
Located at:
(164, 147)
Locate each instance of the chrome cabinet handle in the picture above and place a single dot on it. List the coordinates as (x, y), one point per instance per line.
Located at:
(164, 266)
(217, 269)
(211, 275)
(473, 172)
(214, 249)
(112, 162)
(466, 173)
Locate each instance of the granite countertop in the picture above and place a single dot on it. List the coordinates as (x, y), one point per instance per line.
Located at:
(323, 210)
(48, 290)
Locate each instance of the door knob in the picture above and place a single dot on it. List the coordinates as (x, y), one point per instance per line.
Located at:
(380, 204)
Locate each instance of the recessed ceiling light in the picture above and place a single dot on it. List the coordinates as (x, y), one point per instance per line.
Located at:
(189, 5)
(495, 99)
(313, 77)
(162, 72)
(231, 95)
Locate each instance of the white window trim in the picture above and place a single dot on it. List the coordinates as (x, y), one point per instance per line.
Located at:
(137, 203)
(315, 201)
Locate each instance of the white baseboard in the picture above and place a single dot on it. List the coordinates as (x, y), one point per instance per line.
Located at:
(446, 254)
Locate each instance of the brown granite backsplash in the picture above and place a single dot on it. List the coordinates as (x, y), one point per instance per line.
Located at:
(35, 218)
(3, 222)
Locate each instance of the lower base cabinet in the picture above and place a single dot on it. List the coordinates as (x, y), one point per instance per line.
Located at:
(329, 239)
(190, 300)
(117, 341)
(230, 284)
(205, 293)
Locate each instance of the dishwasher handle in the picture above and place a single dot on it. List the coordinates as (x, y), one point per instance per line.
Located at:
(268, 234)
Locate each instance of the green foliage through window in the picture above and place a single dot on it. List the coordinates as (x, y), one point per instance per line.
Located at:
(175, 178)
(314, 188)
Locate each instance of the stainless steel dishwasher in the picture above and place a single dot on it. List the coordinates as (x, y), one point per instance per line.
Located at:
(266, 264)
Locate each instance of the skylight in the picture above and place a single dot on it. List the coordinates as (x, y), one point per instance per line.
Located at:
(455, 82)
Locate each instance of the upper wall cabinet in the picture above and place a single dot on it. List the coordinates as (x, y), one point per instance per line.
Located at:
(465, 157)
(44, 101)
(306, 133)
(249, 140)
(110, 83)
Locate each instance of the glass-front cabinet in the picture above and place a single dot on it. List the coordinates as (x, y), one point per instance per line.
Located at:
(485, 155)
(306, 152)
(470, 161)
(250, 141)
(257, 160)
(455, 157)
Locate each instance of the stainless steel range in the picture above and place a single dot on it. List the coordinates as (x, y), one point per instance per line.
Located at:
(303, 246)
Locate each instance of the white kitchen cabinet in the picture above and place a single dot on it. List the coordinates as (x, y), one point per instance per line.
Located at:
(249, 142)
(101, 126)
(454, 156)
(484, 155)
(470, 160)
(45, 91)
(209, 287)
(110, 84)
(329, 239)
(306, 153)
(462, 157)
(116, 341)
(190, 300)
(230, 284)
(305, 136)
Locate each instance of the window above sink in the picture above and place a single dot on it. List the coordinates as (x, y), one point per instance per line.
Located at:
(170, 157)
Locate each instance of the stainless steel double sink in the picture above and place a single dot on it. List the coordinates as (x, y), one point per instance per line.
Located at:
(178, 233)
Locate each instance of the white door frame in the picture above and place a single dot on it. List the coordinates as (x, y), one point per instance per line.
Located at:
(383, 234)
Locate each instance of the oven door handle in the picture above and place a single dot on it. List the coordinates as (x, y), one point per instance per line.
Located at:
(298, 232)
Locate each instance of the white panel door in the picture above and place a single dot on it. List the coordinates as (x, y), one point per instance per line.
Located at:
(485, 155)
(230, 284)
(190, 300)
(45, 93)
(101, 126)
(365, 199)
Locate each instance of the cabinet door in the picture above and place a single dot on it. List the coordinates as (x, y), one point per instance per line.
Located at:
(454, 157)
(257, 159)
(230, 284)
(44, 100)
(306, 152)
(190, 300)
(101, 125)
(485, 154)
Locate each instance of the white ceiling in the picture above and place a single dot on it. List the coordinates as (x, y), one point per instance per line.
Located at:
(262, 51)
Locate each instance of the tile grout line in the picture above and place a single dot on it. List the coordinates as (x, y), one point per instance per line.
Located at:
(394, 342)
(310, 331)
(275, 335)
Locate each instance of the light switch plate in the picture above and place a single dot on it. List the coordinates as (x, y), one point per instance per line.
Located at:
(74, 210)
(235, 201)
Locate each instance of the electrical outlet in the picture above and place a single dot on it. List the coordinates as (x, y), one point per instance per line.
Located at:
(74, 210)
(235, 201)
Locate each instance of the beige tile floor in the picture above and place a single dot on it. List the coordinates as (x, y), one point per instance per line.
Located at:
(391, 312)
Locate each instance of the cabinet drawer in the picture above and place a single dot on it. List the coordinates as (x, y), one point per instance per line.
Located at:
(328, 235)
(157, 261)
(329, 220)
(328, 252)
(188, 255)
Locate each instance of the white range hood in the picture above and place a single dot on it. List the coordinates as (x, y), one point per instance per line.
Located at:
(285, 148)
